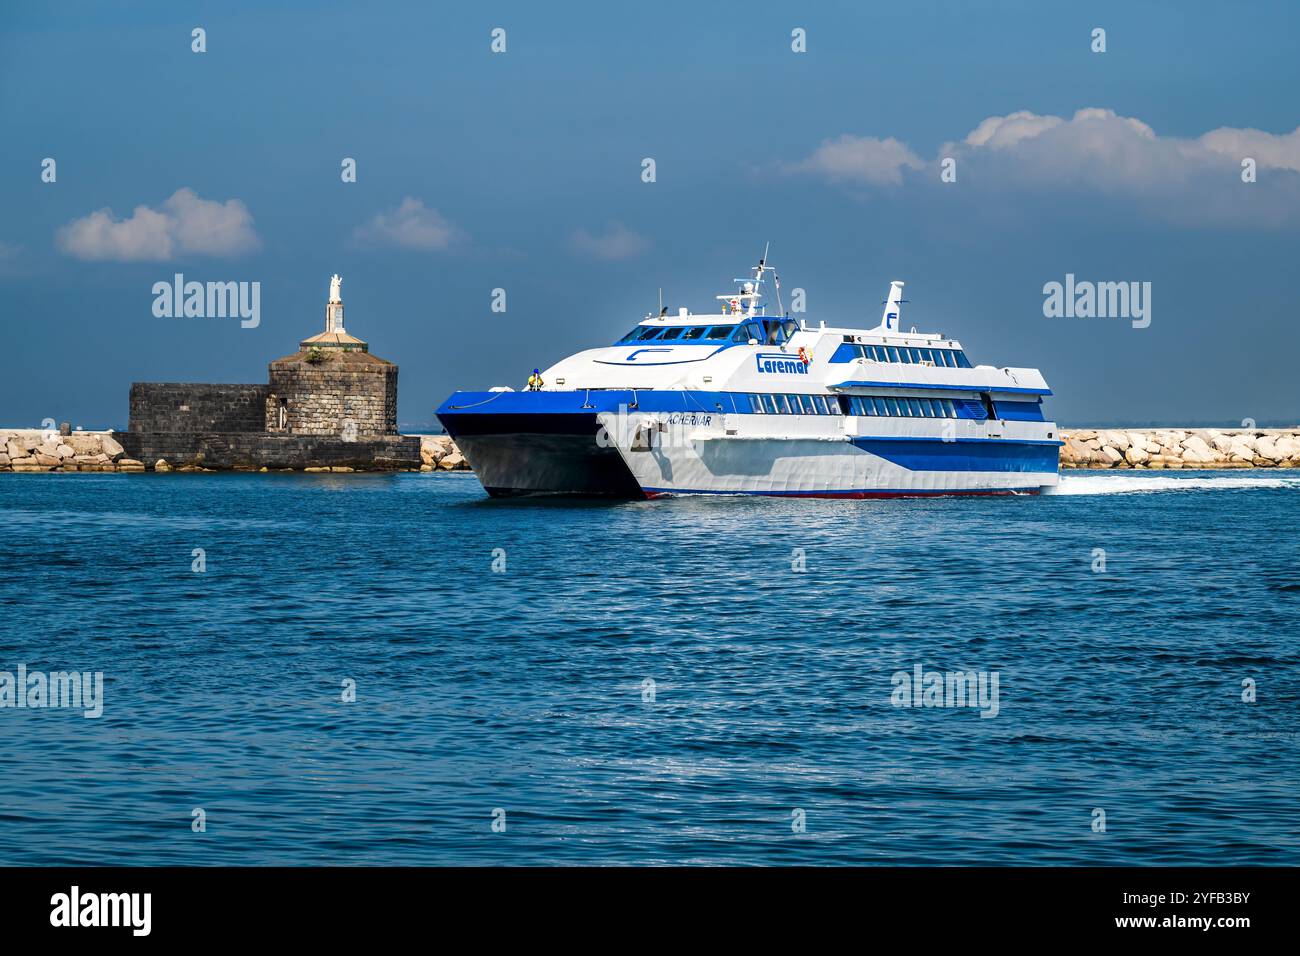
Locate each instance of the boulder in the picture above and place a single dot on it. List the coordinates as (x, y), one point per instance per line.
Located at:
(452, 461)
(1220, 442)
(1266, 447)
(1136, 455)
(1240, 451)
(1287, 446)
(161, 465)
(48, 460)
(4, 460)
(84, 444)
(1111, 455)
(129, 464)
(110, 447)
(1073, 453)
(16, 449)
(65, 451)
(426, 467)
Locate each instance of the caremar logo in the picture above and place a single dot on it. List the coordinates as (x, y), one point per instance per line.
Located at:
(779, 363)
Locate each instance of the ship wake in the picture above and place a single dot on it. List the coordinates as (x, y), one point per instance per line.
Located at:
(1131, 484)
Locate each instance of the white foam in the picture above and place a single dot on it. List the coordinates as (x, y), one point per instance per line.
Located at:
(1127, 484)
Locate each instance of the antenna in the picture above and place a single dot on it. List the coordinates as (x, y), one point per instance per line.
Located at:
(661, 300)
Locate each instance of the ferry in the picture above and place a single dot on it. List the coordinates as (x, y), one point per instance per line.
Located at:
(743, 402)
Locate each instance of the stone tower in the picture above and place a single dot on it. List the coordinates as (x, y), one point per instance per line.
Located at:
(332, 386)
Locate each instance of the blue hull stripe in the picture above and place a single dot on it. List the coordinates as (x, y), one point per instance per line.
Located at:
(987, 456)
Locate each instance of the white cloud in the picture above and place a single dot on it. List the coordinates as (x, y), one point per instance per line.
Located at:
(184, 225)
(1094, 152)
(862, 159)
(617, 242)
(410, 226)
(998, 132)
(1268, 150)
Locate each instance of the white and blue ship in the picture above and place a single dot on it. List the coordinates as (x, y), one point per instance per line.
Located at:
(740, 402)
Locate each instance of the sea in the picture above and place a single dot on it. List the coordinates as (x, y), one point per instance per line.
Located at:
(394, 669)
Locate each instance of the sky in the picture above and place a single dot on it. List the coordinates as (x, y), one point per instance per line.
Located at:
(523, 170)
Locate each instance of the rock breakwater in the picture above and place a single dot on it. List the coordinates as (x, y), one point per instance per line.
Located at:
(1175, 448)
(34, 450)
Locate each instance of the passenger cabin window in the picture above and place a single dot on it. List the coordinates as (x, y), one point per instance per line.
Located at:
(719, 333)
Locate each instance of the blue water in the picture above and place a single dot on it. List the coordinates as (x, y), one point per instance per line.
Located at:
(523, 689)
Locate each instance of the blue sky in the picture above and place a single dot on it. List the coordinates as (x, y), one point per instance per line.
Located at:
(522, 171)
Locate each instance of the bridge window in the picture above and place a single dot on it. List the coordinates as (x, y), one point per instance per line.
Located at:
(962, 361)
(672, 333)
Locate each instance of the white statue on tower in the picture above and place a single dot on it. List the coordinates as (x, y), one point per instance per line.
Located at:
(334, 308)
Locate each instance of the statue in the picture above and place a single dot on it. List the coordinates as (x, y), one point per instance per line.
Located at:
(335, 282)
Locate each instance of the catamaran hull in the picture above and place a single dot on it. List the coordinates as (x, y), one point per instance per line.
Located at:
(595, 453)
(519, 464)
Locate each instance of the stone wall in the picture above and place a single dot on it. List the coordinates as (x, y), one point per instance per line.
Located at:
(184, 407)
(32, 450)
(1159, 448)
(321, 399)
(252, 451)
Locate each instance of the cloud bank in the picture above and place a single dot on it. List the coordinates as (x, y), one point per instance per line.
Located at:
(184, 224)
(1095, 151)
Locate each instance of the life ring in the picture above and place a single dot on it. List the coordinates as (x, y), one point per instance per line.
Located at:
(803, 355)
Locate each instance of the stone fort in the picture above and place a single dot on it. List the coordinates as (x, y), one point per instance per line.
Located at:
(330, 404)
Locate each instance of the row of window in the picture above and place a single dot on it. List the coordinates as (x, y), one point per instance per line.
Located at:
(683, 333)
(902, 407)
(795, 404)
(763, 330)
(853, 404)
(946, 358)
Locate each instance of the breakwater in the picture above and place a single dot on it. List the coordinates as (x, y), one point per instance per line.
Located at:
(1144, 448)
(1175, 448)
(34, 450)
